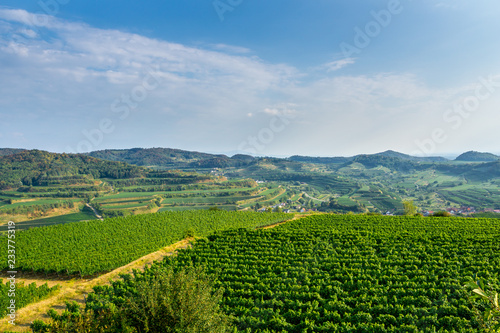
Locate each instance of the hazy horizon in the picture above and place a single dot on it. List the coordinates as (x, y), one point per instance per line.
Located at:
(449, 156)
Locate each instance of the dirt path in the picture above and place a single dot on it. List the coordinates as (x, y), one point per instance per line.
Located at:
(95, 212)
(76, 289)
(296, 217)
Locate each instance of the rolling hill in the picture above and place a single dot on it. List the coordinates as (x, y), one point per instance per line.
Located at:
(170, 158)
(383, 157)
(475, 156)
(32, 167)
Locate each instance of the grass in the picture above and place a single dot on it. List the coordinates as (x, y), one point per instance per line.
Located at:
(122, 200)
(126, 206)
(36, 202)
(268, 191)
(62, 219)
(206, 200)
(182, 208)
(346, 201)
(128, 195)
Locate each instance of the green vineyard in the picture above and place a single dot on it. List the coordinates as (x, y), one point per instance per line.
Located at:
(333, 273)
(22, 294)
(96, 246)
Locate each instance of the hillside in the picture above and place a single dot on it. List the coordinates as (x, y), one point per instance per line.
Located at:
(34, 167)
(475, 156)
(395, 154)
(320, 160)
(373, 157)
(161, 157)
(35, 180)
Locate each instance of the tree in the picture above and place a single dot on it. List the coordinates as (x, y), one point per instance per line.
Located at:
(181, 301)
(442, 213)
(410, 208)
(161, 301)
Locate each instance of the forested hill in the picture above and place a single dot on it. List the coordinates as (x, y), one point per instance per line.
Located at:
(177, 158)
(395, 154)
(383, 156)
(170, 158)
(33, 167)
(475, 156)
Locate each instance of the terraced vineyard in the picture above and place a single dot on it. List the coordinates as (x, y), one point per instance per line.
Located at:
(97, 246)
(334, 273)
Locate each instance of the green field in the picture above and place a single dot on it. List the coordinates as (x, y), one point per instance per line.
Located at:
(194, 207)
(36, 202)
(97, 246)
(48, 221)
(341, 273)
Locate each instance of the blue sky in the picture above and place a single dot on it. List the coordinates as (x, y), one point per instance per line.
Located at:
(263, 77)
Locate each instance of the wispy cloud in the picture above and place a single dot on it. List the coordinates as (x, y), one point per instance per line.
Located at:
(66, 75)
(338, 64)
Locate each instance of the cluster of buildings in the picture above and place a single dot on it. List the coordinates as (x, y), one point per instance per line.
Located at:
(284, 209)
(464, 210)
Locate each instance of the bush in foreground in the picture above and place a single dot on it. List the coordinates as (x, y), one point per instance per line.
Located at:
(159, 301)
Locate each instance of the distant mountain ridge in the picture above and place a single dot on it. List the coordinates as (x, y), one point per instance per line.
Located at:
(182, 159)
(10, 151)
(475, 156)
(152, 156)
(177, 158)
(392, 153)
(387, 153)
(170, 158)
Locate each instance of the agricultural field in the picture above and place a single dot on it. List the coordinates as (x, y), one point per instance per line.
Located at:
(83, 215)
(345, 273)
(360, 185)
(91, 247)
(318, 273)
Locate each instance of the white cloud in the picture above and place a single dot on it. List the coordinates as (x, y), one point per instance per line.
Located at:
(338, 64)
(67, 75)
(26, 18)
